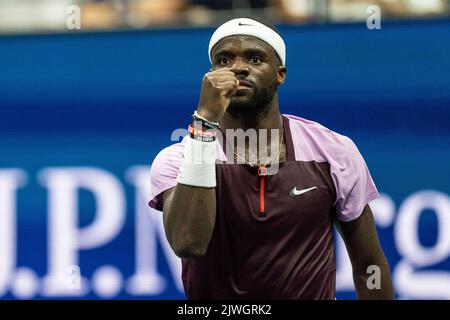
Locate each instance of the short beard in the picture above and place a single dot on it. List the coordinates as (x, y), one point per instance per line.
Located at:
(258, 103)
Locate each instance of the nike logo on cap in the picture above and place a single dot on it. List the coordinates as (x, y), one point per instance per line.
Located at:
(245, 24)
(295, 193)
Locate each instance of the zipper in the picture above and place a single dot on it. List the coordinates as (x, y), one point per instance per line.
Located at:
(262, 173)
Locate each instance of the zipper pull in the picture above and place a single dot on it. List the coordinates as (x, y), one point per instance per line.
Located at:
(262, 173)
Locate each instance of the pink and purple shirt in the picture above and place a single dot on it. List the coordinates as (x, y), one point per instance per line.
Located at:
(268, 241)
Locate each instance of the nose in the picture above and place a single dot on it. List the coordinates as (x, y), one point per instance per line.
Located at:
(240, 67)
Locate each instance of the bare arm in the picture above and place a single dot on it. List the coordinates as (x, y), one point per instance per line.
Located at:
(363, 247)
(189, 215)
(189, 212)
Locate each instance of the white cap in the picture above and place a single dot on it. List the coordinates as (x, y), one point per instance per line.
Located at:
(249, 27)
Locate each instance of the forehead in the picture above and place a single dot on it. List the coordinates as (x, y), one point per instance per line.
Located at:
(241, 43)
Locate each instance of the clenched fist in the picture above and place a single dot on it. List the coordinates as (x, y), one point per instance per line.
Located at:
(217, 89)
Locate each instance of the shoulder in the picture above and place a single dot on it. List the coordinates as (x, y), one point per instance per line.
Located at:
(168, 159)
(172, 152)
(313, 140)
(164, 172)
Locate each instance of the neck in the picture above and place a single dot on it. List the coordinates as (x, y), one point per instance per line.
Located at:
(270, 118)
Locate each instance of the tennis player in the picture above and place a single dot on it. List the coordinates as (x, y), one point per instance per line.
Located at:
(254, 224)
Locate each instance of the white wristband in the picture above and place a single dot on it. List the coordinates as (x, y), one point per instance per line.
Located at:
(198, 168)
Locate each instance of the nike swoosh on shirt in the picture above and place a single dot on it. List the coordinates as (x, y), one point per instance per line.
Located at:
(295, 193)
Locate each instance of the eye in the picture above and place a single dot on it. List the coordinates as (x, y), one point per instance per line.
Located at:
(255, 60)
(223, 61)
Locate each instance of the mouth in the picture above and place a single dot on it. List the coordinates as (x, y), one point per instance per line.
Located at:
(244, 85)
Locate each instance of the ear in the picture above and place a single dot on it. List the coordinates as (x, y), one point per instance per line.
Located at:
(281, 75)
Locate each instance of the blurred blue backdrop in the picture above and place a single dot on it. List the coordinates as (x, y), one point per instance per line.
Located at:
(82, 116)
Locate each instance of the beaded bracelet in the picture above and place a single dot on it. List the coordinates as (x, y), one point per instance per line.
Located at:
(205, 122)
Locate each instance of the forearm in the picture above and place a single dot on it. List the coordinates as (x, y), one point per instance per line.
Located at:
(373, 280)
(189, 220)
(371, 274)
(190, 213)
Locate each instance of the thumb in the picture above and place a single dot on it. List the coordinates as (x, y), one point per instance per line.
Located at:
(233, 90)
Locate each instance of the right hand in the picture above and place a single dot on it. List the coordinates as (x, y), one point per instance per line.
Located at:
(218, 87)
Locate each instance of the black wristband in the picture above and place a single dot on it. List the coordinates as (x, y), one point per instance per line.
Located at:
(203, 138)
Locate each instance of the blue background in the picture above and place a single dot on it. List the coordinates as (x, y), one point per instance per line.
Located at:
(111, 100)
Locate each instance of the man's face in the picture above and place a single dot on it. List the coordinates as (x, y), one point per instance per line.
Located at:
(257, 68)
